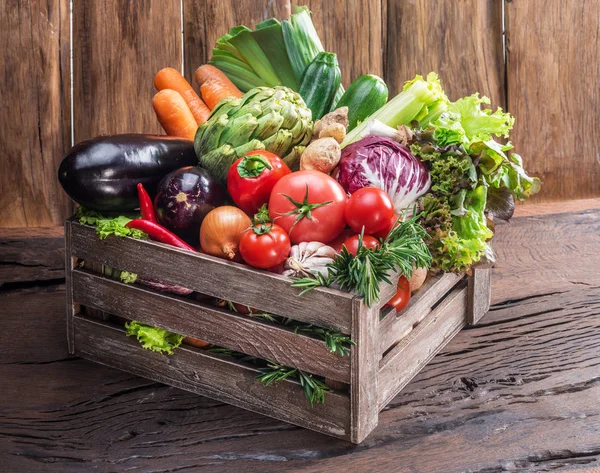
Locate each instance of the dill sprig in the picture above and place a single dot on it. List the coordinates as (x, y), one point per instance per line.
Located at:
(314, 388)
(402, 250)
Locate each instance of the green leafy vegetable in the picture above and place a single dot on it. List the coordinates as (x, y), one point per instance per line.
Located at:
(403, 249)
(108, 226)
(153, 338)
(127, 277)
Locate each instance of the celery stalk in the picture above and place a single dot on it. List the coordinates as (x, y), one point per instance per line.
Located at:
(421, 100)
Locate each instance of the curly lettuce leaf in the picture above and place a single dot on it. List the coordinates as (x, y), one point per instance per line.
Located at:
(479, 124)
(128, 277)
(108, 226)
(154, 338)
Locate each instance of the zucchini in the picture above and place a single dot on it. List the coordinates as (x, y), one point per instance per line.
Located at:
(365, 96)
(320, 82)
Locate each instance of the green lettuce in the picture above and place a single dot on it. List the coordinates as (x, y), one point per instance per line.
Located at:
(154, 338)
(106, 226)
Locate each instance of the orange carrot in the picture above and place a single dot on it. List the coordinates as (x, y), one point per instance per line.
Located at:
(169, 78)
(207, 72)
(213, 91)
(174, 115)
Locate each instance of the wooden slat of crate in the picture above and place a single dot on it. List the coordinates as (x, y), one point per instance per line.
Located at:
(396, 326)
(211, 376)
(213, 276)
(480, 294)
(217, 326)
(412, 353)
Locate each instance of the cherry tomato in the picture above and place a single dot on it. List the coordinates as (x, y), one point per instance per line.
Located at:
(251, 178)
(309, 205)
(388, 228)
(368, 242)
(264, 246)
(369, 207)
(337, 242)
(402, 296)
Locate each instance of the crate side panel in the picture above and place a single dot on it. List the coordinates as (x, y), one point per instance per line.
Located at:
(365, 371)
(480, 294)
(409, 357)
(70, 312)
(213, 377)
(219, 327)
(397, 325)
(216, 277)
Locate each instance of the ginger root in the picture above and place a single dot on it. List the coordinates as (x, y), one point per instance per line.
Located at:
(321, 155)
(328, 125)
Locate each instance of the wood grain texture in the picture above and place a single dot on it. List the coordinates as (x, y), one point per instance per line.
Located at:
(364, 371)
(397, 325)
(461, 40)
(552, 69)
(532, 209)
(117, 48)
(31, 254)
(518, 392)
(413, 352)
(205, 22)
(209, 375)
(480, 294)
(34, 111)
(216, 326)
(212, 276)
(353, 29)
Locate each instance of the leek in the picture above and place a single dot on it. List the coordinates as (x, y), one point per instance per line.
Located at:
(254, 56)
(421, 100)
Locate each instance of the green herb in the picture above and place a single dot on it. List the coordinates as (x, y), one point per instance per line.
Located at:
(337, 342)
(314, 388)
(108, 226)
(403, 249)
(153, 338)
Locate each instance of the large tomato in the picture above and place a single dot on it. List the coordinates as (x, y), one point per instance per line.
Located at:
(309, 205)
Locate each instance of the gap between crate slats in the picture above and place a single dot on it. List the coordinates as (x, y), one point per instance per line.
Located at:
(209, 375)
(397, 325)
(217, 326)
(412, 353)
(213, 276)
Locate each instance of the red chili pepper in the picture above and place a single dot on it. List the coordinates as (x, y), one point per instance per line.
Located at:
(159, 233)
(146, 206)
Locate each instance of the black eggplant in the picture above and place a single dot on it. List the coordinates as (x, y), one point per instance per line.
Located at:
(183, 199)
(102, 173)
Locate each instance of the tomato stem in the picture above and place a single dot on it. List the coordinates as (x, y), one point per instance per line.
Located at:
(303, 209)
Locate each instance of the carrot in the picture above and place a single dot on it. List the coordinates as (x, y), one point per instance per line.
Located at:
(169, 78)
(208, 72)
(213, 92)
(174, 115)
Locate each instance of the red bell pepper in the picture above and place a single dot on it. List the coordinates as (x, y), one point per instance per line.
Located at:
(251, 179)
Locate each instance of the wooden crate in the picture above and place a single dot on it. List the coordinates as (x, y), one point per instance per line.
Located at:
(390, 348)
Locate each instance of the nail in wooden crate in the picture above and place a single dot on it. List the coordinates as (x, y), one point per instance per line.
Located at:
(390, 348)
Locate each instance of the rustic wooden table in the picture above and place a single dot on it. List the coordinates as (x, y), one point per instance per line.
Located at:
(518, 392)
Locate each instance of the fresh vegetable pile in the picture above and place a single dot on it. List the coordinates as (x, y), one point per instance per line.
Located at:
(273, 165)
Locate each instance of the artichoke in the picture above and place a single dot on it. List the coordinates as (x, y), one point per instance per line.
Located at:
(273, 119)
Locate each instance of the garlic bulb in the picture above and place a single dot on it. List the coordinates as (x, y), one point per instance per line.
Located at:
(308, 259)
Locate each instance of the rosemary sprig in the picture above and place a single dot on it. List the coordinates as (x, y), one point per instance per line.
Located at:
(337, 342)
(314, 388)
(403, 249)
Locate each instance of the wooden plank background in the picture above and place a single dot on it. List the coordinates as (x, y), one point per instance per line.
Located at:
(548, 80)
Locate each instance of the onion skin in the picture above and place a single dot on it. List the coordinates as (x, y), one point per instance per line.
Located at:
(221, 231)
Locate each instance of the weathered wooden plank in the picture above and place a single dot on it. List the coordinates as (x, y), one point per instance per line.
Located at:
(365, 371)
(409, 357)
(353, 29)
(69, 303)
(397, 325)
(460, 40)
(212, 276)
(480, 294)
(117, 49)
(532, 209)
(205, 22)
(217, 326)
(34, 111)
(552, 66)
(212, 376)
(31, 254)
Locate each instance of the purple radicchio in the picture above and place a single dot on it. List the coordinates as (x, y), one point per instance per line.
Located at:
(380, 162)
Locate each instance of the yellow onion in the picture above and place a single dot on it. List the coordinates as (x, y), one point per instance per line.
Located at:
(221, 231)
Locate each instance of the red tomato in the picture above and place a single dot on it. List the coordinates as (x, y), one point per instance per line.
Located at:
(369, 207)
(309, 205)
(251, 178)
(368, 242)
(264, 246)
(388, 228)
(402, 296)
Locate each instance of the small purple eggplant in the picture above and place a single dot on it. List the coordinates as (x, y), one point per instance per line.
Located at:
(183, 199)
